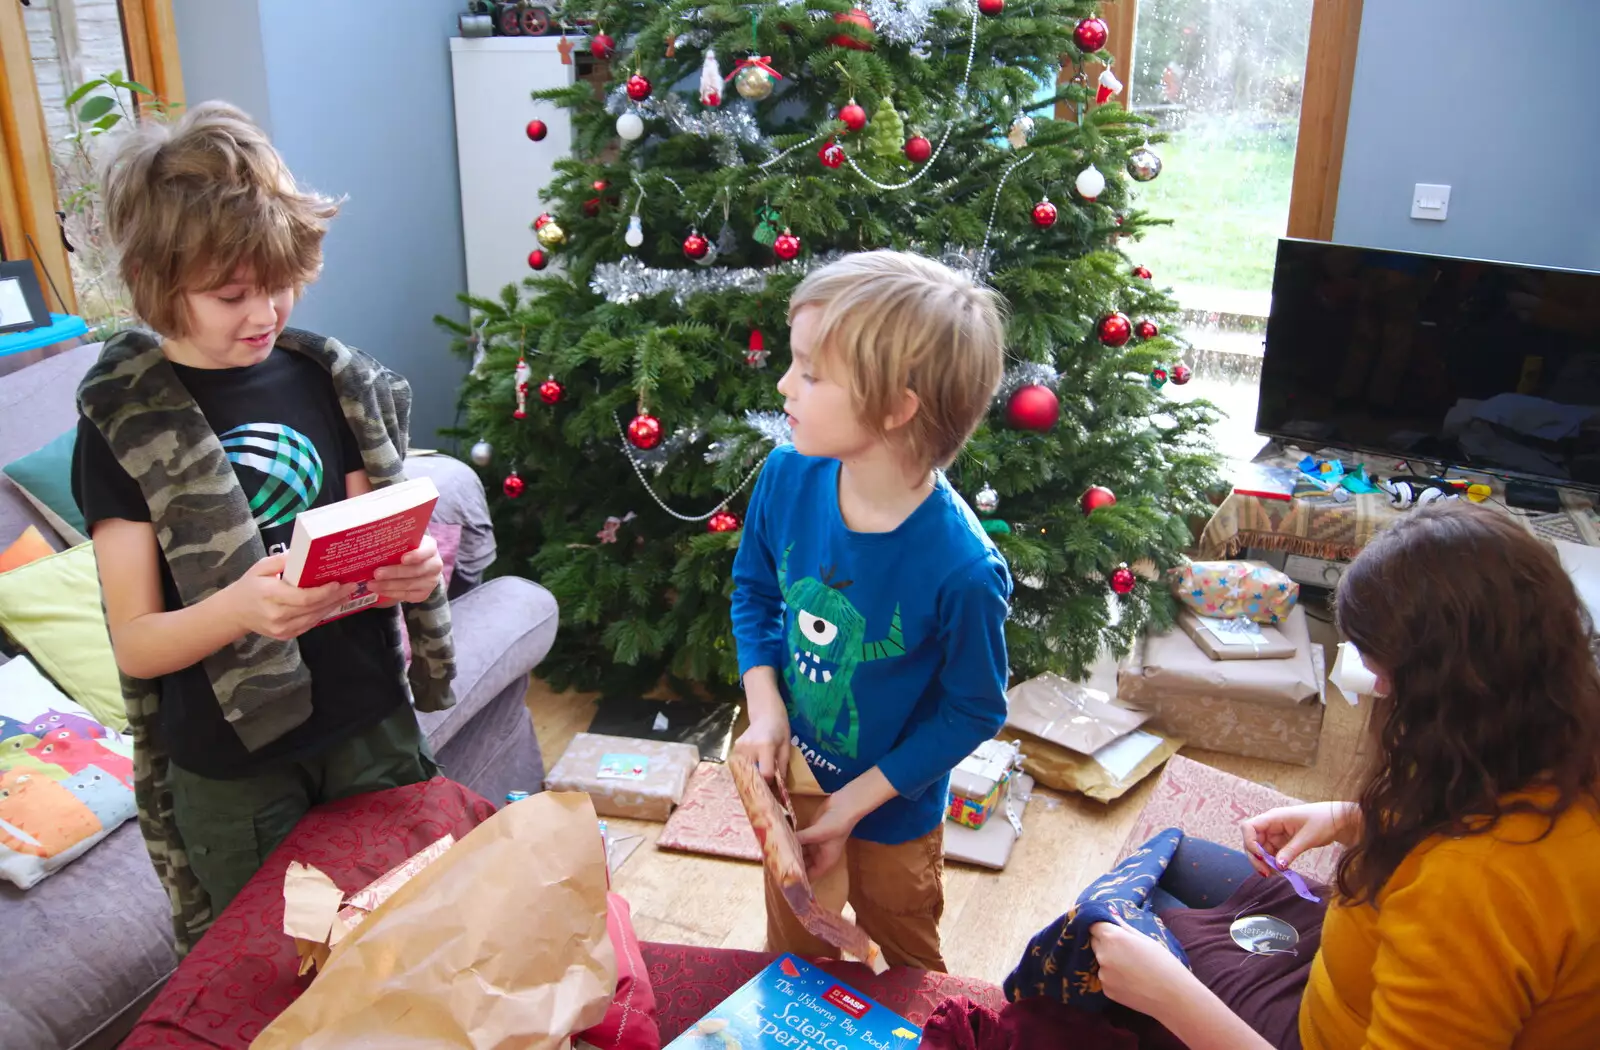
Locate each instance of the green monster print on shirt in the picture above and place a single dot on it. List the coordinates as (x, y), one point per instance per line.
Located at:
(827, 642)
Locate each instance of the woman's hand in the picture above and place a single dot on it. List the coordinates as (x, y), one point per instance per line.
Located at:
(414, 578)
(1139, 972)
(1289, 831)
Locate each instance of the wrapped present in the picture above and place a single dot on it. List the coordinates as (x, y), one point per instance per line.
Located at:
(976, 784)
(1230, 589)
(1074, 716)
(626, 777)
(1237, 639)
(1256, 708)
(1105, 775)
(990, 846)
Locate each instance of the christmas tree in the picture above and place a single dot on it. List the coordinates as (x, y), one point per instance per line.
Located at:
(623, 401)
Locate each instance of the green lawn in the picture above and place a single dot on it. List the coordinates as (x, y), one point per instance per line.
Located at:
(1225, 184)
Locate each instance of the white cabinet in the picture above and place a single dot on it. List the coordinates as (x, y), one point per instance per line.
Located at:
(502, 170)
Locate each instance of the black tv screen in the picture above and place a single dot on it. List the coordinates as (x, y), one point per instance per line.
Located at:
(1477, 365)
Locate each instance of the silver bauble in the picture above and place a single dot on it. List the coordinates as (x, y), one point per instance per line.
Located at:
(482, 453)
(753, 83)
(1021, 131)
(986, 500)
(1143, 164)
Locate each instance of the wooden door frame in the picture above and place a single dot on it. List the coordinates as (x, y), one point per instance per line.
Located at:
(28, 201)
(1324, 105)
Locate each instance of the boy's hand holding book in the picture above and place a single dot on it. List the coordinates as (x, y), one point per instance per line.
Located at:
(261, 603)
(413, 579)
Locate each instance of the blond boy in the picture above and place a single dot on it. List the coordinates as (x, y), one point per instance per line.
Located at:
(199, 442)
(869, 604)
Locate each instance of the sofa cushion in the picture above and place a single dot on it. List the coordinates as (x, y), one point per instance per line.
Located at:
(502, 630)
(44, 477)
(461, 502)
(30, 546)
(37, 403)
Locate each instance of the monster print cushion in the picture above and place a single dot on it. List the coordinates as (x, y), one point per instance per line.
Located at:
(66, 781)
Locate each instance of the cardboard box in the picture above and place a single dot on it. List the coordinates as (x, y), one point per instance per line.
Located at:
(625, 777)
(1235, 639)
(1256, 708)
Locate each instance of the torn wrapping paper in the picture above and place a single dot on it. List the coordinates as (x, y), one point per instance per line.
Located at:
(772, 817)
(1074, 716)
(1107, 774)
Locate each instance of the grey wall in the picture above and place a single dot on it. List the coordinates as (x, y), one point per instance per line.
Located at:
(358, 99)
(1497, 101)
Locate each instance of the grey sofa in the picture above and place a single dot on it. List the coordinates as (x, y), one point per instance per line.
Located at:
(87, 948)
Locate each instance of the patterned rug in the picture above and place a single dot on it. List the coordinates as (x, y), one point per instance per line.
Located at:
(711, 819)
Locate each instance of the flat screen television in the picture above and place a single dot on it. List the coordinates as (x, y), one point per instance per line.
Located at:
(1481, 366)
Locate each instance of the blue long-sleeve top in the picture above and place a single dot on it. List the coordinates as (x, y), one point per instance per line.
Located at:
(890, 647)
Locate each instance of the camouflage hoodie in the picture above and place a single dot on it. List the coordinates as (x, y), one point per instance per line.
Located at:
(207, 534)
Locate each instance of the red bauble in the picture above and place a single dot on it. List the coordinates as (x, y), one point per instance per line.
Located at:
(638, 87)
(1091, 34)
(1033, 407)
(544, 217)
(991, 7)
(601, 45)
(537, 259)
(1096, 496)
(512, 486)
(644, 432)
(1044, 214)
(550, 391)
(723, 521)
(1181, 374)
(696, 246)
(918, 149)
(591, 207)
(854, 117)
(831, 154)
(1141, 272)
(856, 17)
(1123, 580)
(1116, 329)
(537, 130)
(1148, 330)
(787, 246)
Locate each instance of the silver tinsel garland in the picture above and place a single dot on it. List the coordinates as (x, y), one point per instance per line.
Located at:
(773, 426)
(630, 280)
(900, 21)
(728, 125)
(656, 459)
(1029, 373)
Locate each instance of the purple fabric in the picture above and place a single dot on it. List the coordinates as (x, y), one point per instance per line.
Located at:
(497, 751)
(461, 502)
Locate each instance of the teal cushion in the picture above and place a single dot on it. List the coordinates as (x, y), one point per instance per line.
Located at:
(45, 477)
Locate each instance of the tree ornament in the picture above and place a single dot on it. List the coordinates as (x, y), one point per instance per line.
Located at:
(1109, 85)
(696, 246)
(1143, 164)
(602, 46)
(918, 149)
(1033, 407)
(638, 87)
(544, 219)
(1090, 183)
(1044, 214)
(537, 259)
(1148, 329)
(855, 17)
(756, 356)
(1020, 132)
(551, 235)
(1181, 375)
(591, 207)
(644, 432)
(1091, 34)
(986, 500)
(854, 117)
(710, 81)
(888, 135)
(753, 82)
(537, 130)
(831, 154)
(991, 8)
(1096, 496)
(1116, 329)
(522, 375)
(787, 246)
(723, 521)
(1158, 378)
(512, 486)
(1123, 580)
(635, 235)
(482, 452)
(1142, 272)
(550, 391)
(630, 126)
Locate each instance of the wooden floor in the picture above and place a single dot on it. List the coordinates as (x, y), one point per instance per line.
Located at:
(989, 916)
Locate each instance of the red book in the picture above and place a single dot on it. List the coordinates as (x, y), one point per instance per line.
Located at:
(345, 542)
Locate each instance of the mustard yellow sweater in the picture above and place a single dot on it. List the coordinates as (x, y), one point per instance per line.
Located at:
(1487, 941)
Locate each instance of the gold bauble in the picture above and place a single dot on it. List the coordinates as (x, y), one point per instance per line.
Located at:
(753, 83)
(551, 235)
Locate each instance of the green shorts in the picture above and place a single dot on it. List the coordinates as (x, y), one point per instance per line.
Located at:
(229, 826)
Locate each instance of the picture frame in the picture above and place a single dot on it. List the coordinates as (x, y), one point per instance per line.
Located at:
(22, 305)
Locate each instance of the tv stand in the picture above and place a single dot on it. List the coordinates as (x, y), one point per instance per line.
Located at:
(1531, 495)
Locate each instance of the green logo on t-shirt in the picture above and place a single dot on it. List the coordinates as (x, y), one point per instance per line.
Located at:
(289, 464)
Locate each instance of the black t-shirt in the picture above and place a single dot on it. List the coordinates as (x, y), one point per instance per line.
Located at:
(282, 428)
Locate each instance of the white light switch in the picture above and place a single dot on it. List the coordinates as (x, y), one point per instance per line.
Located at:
(1430, 202)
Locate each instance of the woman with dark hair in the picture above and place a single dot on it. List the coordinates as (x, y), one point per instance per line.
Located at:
(1467, 906)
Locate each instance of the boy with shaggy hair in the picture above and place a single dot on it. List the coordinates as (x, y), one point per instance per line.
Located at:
(869, 604)
(199, 442)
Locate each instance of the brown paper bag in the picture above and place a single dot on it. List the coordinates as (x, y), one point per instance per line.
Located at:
(500, 942)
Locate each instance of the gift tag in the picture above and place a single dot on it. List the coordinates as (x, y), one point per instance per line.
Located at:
(1239, 631)
(623, 767)
(1263, 934)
